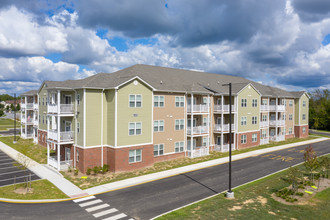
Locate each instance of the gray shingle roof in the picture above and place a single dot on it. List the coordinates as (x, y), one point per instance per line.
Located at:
(30, 93)
(298, 94)
(169, 79)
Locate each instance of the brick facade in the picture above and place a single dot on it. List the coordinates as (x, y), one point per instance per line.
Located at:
(169, 157)
(42, 138)
(249, 142)
(298, 131)
(289, 136)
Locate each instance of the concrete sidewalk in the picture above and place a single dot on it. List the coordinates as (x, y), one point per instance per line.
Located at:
(168, 173)
(46, 172)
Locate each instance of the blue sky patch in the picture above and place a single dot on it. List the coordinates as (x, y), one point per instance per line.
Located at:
(326, 40)
(55, 57)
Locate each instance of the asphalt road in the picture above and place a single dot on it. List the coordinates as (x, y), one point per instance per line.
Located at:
(151, 199)
(9, 174)
(318, 132)
(10, 132)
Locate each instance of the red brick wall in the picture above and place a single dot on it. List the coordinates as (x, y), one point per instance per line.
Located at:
(249, 142)
(42, 138)
(298, 131)
(289, 136)
(169, 157)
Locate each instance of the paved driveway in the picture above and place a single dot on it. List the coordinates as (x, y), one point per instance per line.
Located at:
(9, 172)
(10, 132)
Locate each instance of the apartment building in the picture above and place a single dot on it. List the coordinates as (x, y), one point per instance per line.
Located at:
(29, 115)
(144, 114)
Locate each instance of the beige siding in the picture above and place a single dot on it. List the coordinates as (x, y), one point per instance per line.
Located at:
(43, 108)
(289, 110)
(304, 110)
(93, 117)
(110, 100)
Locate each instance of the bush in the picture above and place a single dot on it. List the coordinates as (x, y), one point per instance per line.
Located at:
(96, 170)
(105, 168)
(70, 169)
(76, 171)
(89, 170)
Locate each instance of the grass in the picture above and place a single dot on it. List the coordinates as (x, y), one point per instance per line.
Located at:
(253, 201)
(42, 189)
(6, 123)
(92, 181)
(27, 147)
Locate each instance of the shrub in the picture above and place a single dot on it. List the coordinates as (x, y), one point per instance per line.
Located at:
(105, 168)
(96, 170)
(76, 171)
(89, 170)
(70, 169)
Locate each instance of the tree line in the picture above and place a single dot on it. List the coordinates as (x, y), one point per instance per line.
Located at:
(319, 109)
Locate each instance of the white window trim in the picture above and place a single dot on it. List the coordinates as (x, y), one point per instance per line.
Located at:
(179, 151)
(179, 102)
(158, 150)
(179, 125)
(135, 101)
(157, 102)
(256, 139)
(134, 128)
(135, 156)
(244, 120)
(245, 139)
(245, 105)
(256, 117)
(256, 103)
(159, 125)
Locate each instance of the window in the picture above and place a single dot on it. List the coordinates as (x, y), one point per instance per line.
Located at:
(290, 117)
(206, 100)
(46, 100)
(78, 99)
(205, 141)
(290, 130)
(264, 117)
(285, 103)
(254, 102)
(290, 103)
(243, 120)
(179, 124)
(303, 130)
(43, 119)
(39, 119)
(179, 146)
(135, 156)
(158, 149)
(158, 101)
(205, 122)
(304, 117)
(254, 120)
(179, 101)
(135, 128)
(243, 139)
(264, 101)
(77, 156)
(264, 134)
(43, 101)
(158, 125)
(135, 101)
(244, 102)
(254, 137)
(284, 131)
(304, 103)
(284, 116)
(78, 127)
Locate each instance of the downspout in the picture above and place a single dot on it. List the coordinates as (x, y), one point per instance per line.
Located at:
(102, 128)
(76, 133)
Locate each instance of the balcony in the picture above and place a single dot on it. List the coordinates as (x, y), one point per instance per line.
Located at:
(65, 136)
(279, 108)
(198, 130)
(198, 152)
(218, 108)
(35, 122)
(264, 108)
(27, 120)
(198, 108)
(277, 123)
(64, 109)
(225, 147)
(264, 124)
(225, 127)
(264, 141)
(277, 138)
(35, 106)
(27, 135)
(64, 165)
(27, 106)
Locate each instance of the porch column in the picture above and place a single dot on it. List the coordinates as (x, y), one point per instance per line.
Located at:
(25, 130)
(58, 157)
(222, 123)
(48, 153)
(234, 140)
(208, 123)
(276, 117)
(191, 123)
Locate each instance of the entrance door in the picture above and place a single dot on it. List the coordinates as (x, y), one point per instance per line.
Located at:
(189, 101)
(194, 143)
(67, 153)
(194, 122)
(272, 132)
(218, 140)
(219, 120)
(219, 101)
(67, 99)
(67, 125)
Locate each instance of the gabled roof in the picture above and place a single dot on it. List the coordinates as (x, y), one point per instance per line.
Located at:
(298, 94)
(30, 93)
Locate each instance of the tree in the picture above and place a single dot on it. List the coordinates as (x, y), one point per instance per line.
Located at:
(7, 108)
(23, 163)
(310, 161)
(293, 178)
(18, 107)
(319, 109)
(2, 113)
(12, 107)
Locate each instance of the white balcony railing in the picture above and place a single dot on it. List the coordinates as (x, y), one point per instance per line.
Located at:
(278, 108)
(264, 141)
(26, 120)
(277, 138)
(35, 106)
(198, 152)
(198, 130)
(64, 165)
(197, 108)
(277, 123)
(264, 108)
(64, 108)
(264, 124)
(65, 136)
(225, 147)
(27, 105)
(218, 108)
(217, 127)
(27, 135)
(35, 122)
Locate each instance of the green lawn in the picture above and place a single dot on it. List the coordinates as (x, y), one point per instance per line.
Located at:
(7, 123)
(27, 147)
(253, 201)
(92, 181)
(42, 189)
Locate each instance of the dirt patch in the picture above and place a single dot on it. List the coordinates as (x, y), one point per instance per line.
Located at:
(23, 191)
(262, 200)
(248, 201)
(234, 208)
(306, 199)
(272, 213)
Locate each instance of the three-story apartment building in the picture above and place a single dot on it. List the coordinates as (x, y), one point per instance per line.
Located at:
(144, 114)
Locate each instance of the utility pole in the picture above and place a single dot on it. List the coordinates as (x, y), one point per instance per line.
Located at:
(14, 118)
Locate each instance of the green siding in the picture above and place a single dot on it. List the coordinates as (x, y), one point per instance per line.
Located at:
(126, 114)
(248, 93)
(296, 111)
(93, 117)
(110, 123)
(304, 110)
(80, 118)
(42, 108)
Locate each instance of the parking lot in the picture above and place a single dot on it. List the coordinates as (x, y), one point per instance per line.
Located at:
(9, 172)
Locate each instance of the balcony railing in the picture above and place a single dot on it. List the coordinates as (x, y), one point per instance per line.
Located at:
(64, 108)
(65, 136)
(26, 120)
(217, 127)
(225, 147)
(278, 107)
(264, 141)
(264, 108)
(64, 165)
(277, 138)
(35, 122)
(27, 105)
(27, 135)
(197, 108)
(198, 152)
(35, 106)
(264, 123)
(198, 130)
(277, 123)
(218, 108)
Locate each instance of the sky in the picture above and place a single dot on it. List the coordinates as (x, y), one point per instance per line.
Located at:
(283, 43)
